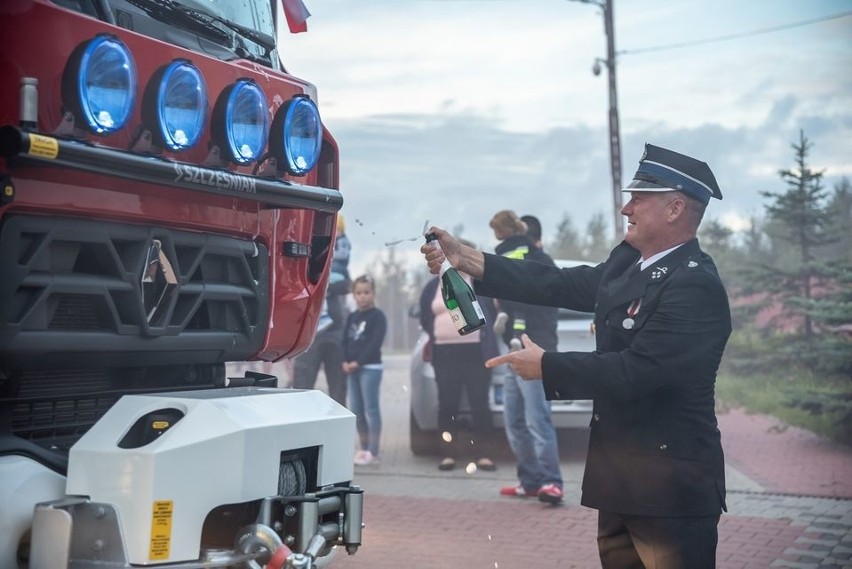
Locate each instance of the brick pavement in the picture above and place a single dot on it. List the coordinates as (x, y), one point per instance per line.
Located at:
(789, 501)
(785, 459)
(437, 533)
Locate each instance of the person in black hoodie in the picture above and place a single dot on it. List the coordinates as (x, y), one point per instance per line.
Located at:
(526, 411)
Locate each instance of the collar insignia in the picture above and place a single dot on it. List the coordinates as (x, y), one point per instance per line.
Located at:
(659, 272)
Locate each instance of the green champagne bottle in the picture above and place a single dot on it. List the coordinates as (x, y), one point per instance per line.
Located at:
(458, 296)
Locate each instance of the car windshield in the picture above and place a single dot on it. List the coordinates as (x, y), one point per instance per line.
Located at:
(246, 27)
(251, 14)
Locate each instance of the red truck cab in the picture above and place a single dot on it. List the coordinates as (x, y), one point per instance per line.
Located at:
(169, 201)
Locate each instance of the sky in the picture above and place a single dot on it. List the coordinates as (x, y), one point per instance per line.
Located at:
(448, 111)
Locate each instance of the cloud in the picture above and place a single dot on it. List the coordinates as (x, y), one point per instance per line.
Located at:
(449, 111)
(457, 169)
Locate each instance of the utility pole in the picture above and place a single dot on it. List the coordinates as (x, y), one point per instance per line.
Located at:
(614, 128)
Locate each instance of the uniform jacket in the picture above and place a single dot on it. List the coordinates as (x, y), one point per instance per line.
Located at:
(654, 446)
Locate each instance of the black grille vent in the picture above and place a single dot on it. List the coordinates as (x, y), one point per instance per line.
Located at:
(53, 409)
(75, 312)
(74, 287)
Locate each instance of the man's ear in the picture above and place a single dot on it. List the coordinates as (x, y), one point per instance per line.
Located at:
(676, 208)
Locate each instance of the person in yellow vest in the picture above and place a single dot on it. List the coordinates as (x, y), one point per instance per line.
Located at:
(526, 412)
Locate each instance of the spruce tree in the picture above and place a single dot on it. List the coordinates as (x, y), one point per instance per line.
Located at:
(566, 244)
(597, 243)
(800, 219)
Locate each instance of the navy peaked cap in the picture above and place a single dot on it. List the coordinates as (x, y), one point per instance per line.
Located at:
(663, 170)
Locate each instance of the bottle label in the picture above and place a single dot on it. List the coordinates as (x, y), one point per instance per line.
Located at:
(478, 309)
(457, 317)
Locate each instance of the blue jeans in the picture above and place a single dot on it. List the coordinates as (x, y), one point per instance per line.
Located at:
(530, 432)
(363, 388)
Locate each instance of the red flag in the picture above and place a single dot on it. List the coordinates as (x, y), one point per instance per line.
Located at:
(297, 15)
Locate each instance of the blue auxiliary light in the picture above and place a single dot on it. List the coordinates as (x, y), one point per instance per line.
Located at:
(297, 135)
(181, 104)
(100, 84)
(241, 121)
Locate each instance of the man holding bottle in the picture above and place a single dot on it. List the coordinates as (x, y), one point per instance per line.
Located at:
(655, 468)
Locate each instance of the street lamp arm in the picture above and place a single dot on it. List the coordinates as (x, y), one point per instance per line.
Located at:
(601, 5)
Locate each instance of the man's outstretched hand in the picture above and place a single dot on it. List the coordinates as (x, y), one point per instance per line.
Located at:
(525, 362)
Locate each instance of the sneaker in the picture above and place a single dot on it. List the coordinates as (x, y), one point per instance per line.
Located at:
(550, 494)
(366, 459)
(517, 491)
(359, 455)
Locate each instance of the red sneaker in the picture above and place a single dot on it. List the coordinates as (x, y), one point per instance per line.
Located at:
(517, 492)
(550, 494)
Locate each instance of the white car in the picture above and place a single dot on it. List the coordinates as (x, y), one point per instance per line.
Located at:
(574, 334)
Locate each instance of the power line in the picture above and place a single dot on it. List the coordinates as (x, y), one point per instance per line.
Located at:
(739, 35)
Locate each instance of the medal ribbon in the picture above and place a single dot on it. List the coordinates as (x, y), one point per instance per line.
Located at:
(634, 307)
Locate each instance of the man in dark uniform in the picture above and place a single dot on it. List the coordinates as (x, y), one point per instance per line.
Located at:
(655, 469)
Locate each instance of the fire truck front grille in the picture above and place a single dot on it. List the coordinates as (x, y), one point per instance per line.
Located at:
(131, 294)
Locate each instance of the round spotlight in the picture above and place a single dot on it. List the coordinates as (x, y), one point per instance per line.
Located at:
(176, 101)
(297, 135)
(181, 105)
(99, 84)
(241, 121)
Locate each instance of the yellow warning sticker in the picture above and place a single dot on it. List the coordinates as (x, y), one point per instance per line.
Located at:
(161, 530)
(43, 146)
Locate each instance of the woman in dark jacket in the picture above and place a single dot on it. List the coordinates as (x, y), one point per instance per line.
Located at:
(459, 366)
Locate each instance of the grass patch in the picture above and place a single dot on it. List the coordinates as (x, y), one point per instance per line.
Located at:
(822, 405)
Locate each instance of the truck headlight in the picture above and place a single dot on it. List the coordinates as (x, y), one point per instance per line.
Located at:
(176, 102)
(99, 84)
(297, 135)
(241, 120)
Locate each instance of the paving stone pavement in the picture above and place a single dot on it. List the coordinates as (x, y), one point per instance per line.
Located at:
(789, 503)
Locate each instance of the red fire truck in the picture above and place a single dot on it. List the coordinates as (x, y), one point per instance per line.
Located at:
(168, 205)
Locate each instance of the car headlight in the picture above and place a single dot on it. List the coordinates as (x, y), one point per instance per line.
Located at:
(241, 121)
(297, 135)
(99, 84)
(175, 105)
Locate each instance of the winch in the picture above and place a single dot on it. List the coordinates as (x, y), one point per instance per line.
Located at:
(215, 478)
